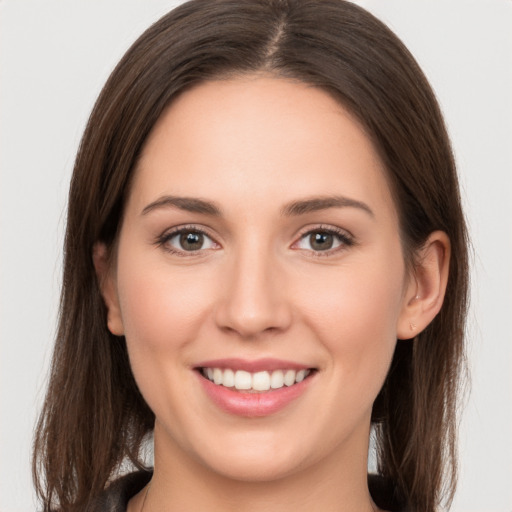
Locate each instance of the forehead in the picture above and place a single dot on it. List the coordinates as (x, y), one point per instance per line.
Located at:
(248, 138)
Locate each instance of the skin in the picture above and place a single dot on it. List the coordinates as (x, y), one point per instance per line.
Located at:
(258, 288)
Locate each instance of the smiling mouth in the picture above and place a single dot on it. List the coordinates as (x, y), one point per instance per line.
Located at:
(257, 382)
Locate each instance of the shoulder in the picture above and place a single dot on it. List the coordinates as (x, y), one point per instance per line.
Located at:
(116, 496)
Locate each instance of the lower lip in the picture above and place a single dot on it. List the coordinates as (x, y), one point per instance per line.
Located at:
(253, 404)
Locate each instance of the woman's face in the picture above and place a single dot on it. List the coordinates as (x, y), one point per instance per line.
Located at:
(259, 239)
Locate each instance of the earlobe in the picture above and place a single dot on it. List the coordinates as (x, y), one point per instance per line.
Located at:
(108, 288)
(425, 292)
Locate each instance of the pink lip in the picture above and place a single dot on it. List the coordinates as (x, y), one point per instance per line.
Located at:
(258, 365)
(253, 405)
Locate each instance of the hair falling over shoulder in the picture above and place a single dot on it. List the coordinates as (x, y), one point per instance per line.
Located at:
(94, 418)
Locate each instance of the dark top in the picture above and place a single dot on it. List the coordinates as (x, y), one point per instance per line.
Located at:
(116, 497)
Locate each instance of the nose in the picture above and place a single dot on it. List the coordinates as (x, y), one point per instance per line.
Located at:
(254, 300)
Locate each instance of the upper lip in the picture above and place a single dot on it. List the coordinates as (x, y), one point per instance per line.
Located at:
(257, 365)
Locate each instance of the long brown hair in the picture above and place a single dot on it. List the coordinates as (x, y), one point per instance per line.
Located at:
(94, 417)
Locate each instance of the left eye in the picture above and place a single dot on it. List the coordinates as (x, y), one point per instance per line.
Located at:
(321, 241)
(190, 241)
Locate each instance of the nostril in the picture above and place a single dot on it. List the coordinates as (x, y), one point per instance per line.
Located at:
(251, 321)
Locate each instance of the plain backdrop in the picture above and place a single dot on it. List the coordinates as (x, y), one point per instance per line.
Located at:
(54, 58)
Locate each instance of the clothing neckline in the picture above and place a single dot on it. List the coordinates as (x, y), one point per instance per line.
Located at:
(118, 494)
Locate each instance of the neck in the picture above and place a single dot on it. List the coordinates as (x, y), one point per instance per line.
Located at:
(336, 483)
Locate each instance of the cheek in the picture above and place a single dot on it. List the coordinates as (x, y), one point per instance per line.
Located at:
(161, 310)
(163, 313)
(354, 314)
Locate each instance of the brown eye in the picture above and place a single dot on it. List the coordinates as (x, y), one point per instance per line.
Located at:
(191, 241)
(187, 241)
(321, 241)
(324, 240)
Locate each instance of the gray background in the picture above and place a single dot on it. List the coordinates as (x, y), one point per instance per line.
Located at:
(54, 58)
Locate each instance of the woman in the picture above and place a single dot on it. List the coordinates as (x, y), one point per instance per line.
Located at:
(263, 203)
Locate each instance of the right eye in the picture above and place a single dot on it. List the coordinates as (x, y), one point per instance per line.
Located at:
(187, 240)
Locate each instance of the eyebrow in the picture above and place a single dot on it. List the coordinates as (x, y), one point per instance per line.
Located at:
(189, 204)
(323, 203)
(295, 208)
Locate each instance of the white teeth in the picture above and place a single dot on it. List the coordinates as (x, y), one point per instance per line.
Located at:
(301, 374)
(289, 377)
(258, 381)
(277, 379)
(261, 381)
(228, 378)
(217, 376)
(243, 380)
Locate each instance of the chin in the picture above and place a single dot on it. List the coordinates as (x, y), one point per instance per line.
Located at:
(260, 456)
(253, 467)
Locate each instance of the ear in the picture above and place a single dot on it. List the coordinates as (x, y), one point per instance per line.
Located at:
(108, 288)
(425, 290)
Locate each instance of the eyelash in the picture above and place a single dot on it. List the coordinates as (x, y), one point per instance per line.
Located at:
(164, 238)
(345, 240)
